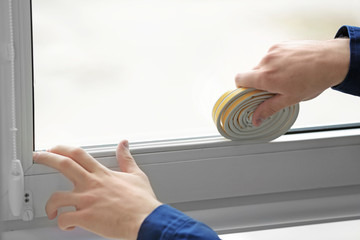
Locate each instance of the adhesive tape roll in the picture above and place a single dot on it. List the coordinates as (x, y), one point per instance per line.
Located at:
(232, 115)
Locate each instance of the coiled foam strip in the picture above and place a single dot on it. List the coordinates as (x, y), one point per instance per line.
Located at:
(233, 112)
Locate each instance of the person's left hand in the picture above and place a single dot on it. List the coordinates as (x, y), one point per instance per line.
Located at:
(109, 203)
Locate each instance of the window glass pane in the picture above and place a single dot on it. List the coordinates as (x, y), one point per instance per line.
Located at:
(147, 70)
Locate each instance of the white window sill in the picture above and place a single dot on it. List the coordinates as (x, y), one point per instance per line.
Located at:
(347, 230)
(52, 233)
(106, 154)
(216, 180)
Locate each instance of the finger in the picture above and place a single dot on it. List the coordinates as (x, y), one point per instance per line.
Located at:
(69, 220)
(269, 108)
(125, 160)
(251, 79)
(78, 155)
(58, 200)
(69, 168)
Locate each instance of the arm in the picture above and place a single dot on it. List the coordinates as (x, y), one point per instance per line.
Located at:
(168, 223)
(297, 71)
(114, 204)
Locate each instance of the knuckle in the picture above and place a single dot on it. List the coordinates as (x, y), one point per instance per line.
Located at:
(54, 197)
(129, 158)
(104, 171)
(53, 202)
(273, 47)
(267, 76)
(49, 207)
(66, 163)
(94, 183)
(76, 152)
(238, 78)
(269, 57)
(87, 199)
(276, 47)
(264, 80)
(55, 148)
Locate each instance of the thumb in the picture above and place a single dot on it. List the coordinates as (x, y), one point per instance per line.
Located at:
(268, 108)
(125, 160)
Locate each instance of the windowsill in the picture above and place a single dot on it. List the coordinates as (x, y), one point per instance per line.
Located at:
(53, 233)
(327, 231)
(318, 169)
(106, 154)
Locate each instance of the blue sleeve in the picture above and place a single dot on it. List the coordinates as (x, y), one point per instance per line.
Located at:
(166, 223)
(351, 83)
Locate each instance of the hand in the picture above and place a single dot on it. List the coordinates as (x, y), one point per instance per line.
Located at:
(108, 203)
(296, 71)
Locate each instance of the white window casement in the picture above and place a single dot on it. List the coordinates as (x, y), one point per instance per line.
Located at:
(307, 176)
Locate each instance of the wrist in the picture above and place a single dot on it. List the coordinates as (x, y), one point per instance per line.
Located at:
(144, 216)
(338, 53)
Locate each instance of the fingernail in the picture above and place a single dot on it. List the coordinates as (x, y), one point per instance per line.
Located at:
(126, 144)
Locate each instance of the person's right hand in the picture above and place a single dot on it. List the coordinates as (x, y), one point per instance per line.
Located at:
(296, 71)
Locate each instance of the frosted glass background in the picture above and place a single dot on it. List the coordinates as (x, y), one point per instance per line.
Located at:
(149, 70)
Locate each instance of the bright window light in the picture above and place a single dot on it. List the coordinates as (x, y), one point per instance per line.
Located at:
(152, 70)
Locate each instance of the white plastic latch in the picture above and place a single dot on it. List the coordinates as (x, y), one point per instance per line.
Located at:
(16, 188)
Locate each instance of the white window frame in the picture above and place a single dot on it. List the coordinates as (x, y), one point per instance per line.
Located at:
(298, 179)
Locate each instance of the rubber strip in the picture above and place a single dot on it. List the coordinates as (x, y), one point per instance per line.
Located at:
(233, 112)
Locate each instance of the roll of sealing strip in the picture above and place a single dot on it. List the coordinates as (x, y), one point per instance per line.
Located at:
(232, 115)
